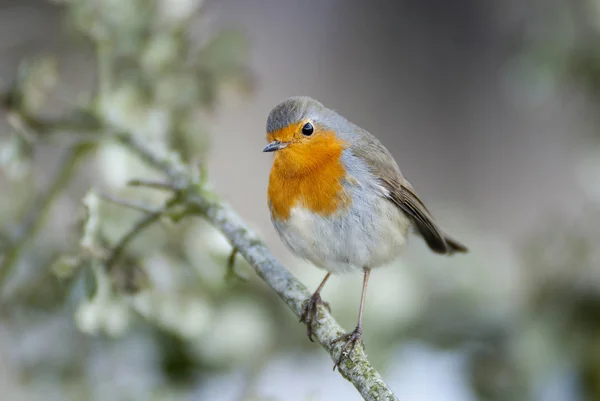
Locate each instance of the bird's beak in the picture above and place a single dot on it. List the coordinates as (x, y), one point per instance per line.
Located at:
(275, 145)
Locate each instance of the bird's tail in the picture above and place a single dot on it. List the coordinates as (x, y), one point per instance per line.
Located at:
(454, 246)
(437, 241)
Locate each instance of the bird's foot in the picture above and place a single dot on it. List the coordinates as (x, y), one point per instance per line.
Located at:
(350, 341)
(310, 313)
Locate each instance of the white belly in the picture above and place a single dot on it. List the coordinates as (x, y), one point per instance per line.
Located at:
(369, 234)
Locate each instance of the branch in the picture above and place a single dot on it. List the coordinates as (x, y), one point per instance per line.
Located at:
(192, 194)
(151, 184)
(127, 204)
(36, 215)
(358, 370)
(140, 225)
(231, 270)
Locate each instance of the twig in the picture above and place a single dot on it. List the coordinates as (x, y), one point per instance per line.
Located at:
(151, 184)
(36, 215)
(231, 262)
(168, 163)
(140, 225)
(231, 270)
(358, 371)
(127, 204)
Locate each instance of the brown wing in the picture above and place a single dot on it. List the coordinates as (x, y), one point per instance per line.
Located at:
(405, 198)
(401, 193)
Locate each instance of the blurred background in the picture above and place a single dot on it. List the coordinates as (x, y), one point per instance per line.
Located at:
(490, 109)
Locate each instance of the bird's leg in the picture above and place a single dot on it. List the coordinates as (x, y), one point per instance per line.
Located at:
(350, 339)
(310, 309)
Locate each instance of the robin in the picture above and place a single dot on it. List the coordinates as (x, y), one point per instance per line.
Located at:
(337, 199)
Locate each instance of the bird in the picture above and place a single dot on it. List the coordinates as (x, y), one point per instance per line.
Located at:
(337, 199)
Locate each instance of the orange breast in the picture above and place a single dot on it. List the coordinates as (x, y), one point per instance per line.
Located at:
(310, 175)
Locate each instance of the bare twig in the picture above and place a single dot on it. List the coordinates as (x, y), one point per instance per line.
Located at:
(231, 261)
(358, 371)
(168, 163)
(151, 184)
(35, 217)
(127, 204)
(140, 225)
(231, 270)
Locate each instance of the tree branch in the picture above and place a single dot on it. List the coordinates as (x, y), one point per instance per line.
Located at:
(35, 216)
(127, 204)
(140, 225)
(197, 199)
(358, 370)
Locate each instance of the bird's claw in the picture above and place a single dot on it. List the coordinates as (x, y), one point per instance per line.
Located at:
(310, 313)
(350, 339)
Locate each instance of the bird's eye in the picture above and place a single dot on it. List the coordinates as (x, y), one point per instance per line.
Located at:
(307, 129)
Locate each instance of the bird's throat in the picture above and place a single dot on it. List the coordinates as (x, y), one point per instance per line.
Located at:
(311, 177)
